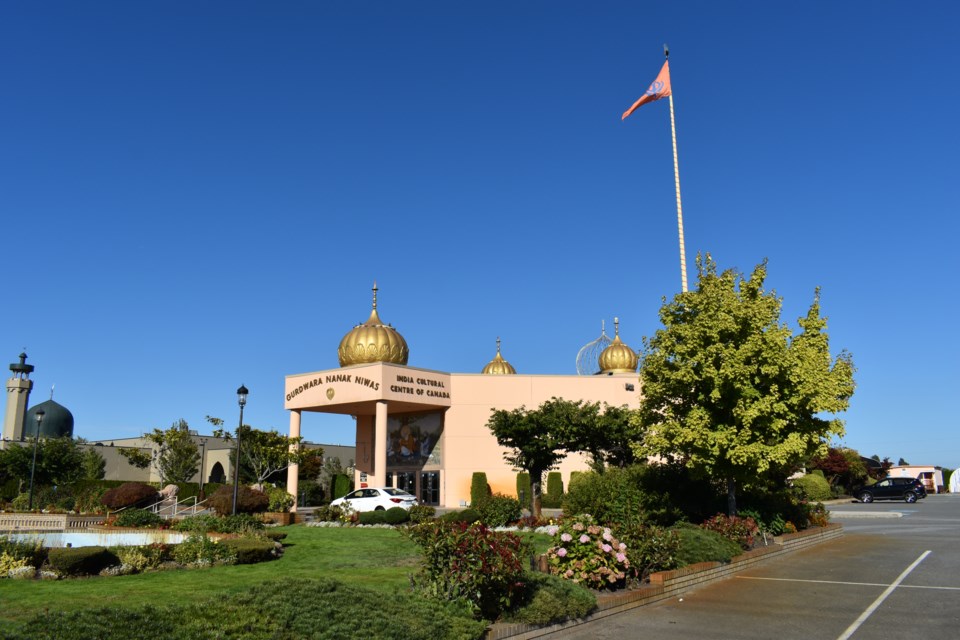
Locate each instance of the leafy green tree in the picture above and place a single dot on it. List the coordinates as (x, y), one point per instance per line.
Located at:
(175, 457)
(608, 435)
(93, 464)
(538, 439)
(731, 391)
(59, 462)
(264, 453)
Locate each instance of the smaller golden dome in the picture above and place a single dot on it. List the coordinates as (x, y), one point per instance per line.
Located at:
(618, 357)
(373, 341)
(498, 366)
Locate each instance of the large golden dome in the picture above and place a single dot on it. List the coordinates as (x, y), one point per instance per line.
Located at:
(618, 357)
(498, 366)
(373, 341)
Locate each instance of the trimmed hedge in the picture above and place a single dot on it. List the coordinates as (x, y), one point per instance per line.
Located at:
(523, 488)
(813, 487)
(467, 515)
(140, 518)
(372, 517)
(479, 489)
(339, 486)
(251, 550)
(702, 545)
(397, 515)
(81, 561)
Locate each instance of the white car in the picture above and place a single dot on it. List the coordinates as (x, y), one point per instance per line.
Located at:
(376, 499)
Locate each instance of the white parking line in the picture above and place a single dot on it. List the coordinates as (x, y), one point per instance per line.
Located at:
(883, 596)
(855, 584)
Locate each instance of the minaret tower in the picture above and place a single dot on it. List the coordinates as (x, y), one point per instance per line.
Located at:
(18, 399)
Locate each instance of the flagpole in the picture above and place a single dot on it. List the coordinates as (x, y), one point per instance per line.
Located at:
(676, 180)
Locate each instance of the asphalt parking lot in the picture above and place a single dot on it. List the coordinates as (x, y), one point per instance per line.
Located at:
(890, 576)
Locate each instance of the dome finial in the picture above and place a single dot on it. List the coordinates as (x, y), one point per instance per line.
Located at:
(618, 357)
(373, 341)
(498, 366)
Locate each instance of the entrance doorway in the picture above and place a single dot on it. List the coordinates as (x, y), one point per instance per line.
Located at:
(428, 490)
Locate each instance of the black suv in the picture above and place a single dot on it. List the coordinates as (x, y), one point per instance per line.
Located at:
(906, 489)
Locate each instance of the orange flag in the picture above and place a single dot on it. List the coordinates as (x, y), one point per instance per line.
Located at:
(660, 88)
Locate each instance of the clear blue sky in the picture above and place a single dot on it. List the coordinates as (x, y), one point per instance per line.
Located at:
(196, 195)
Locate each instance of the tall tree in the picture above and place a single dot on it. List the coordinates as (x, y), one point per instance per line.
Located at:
(175, 457)
(537, 439)
(731, 391)
(264, 453)
(608, 435)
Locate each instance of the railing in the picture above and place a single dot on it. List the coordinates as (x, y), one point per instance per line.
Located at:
(171, 508)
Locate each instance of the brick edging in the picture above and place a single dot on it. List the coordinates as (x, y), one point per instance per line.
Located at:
(666, 584)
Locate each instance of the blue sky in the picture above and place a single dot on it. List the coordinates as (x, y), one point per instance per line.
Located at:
(196, 195)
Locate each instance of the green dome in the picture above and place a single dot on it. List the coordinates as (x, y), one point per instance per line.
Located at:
(57, 421)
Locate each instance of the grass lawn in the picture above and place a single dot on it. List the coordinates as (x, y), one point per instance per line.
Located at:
(379, 559)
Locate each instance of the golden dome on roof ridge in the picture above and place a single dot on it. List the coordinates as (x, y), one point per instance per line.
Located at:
(618, 357)
(373, 341)
(498, 366)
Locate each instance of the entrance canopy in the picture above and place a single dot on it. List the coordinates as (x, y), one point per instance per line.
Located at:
(357, 390)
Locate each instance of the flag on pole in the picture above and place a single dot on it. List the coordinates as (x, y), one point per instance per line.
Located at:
(659, 88)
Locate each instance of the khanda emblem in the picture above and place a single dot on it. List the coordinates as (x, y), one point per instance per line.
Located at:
(330, 394)
(655, 88)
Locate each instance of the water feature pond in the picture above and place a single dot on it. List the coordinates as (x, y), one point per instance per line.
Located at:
(100, 538)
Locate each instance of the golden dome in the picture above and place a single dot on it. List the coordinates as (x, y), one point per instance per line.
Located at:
(498, 366)
(373, 341)
(618, 357)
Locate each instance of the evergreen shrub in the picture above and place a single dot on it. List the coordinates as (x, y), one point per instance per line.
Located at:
(498, 510)
(479, 489)
(813, 487)
(421, 513)
(555, 484)
(328, 513)
(547, 599)
(702, 545)
(33, 553)
(140, 518)
(740, 530)
(339, 486)
(251, 550)
(81, 561)
(466, 516)
(523, 488)
(285, 609)
(372, 517)
(397, 515)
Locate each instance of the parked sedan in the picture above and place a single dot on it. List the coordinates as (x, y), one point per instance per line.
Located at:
(376, 499)
(906, 489)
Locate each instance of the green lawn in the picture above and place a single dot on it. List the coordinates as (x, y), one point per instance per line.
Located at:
(379, 559)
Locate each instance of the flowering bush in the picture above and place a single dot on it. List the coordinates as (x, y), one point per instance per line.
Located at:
(588, 554)
(470, 562)
(733, 528)
(818, 515)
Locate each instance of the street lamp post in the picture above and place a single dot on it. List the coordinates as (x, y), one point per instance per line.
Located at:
(203, 455)
(33, 468)
(241, 400)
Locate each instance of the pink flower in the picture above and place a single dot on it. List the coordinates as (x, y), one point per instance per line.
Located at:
(621, 557)
(568, 573)
(552, 531)
(623, 547)
(561, 552)
(606, 535)
(566, 537)
(584, 538)
(578, 527)
(607, 548)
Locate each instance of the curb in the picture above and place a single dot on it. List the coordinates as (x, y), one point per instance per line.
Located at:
(666, 584)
